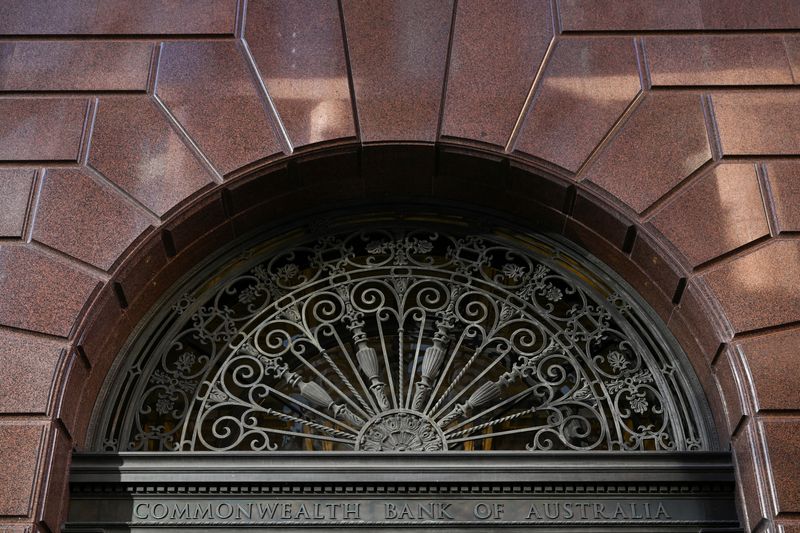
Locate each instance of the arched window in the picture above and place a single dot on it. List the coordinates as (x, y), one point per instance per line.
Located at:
(462, 373)
(423, 335)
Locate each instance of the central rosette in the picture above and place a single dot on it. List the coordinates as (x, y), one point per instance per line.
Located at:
(400, 430)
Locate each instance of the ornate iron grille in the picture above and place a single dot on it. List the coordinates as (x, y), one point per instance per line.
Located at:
(406, 339)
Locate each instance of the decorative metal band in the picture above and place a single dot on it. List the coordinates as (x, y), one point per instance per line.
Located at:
(406, 339)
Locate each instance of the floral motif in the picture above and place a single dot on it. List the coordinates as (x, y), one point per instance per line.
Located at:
(420, 246)
(261, 273)
(377, 247)
(553, 293)
(172, 383)
(185, 362)
(617, 361)
(400, 248)
(638, 402)
(164, 405)
(249, 295)
(537, 285)
(513, 272)
(287, 272)
(631, 381)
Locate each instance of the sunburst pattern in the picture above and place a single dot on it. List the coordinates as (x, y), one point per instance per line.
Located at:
(408, 339)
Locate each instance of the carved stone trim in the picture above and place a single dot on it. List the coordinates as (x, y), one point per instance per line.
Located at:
(657, 492)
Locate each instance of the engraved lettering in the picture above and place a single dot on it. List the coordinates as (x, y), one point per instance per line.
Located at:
(352, 511)
(419, 511)
(482, 511)
(600, 511)
(406, 512)
(331, 510)
(159, 515)
(317, 515)
(533, 513)
(443, 514)
(138, 514)
(568, 514)
(582, 506)
(242, 510)
(179, 512)
(287, 511)
(208, 512)
(426, 510)
(267, 509)
(227, 513)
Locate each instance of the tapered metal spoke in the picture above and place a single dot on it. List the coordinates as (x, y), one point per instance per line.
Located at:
(530, 429)
(311, 425)
(370, 408)
(452, 435)
(304, 435)
(500, 405)
(316, 412)
(333, 387)
(388, 368)
(453, 352)
(401, 368)
(413, 373)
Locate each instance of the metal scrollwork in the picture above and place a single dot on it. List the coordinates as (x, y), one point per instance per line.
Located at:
(406, 339)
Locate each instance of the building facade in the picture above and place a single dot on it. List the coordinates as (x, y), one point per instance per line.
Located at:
(138, 139)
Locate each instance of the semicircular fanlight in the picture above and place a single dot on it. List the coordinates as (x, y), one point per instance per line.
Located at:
(406, 339)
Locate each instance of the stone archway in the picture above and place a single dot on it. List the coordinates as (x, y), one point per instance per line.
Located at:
(269, 343)
(117, 184)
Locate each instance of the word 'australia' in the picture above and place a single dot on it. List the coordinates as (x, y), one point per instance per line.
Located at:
(597, 511)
